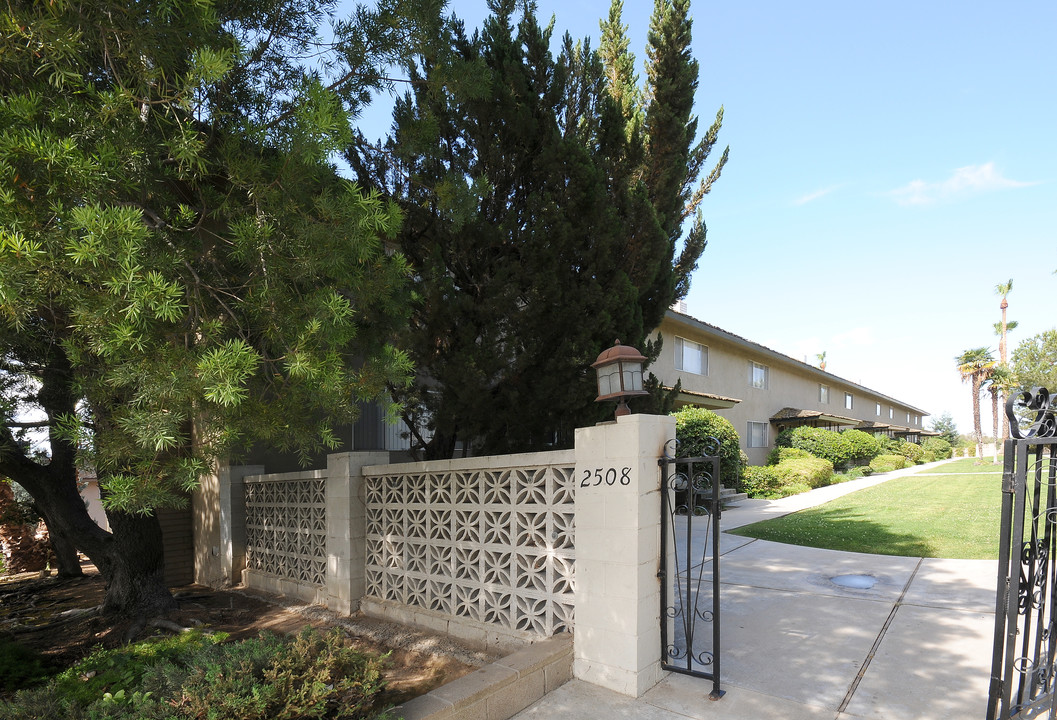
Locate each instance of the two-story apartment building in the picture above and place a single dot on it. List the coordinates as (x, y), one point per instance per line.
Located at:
(762, 391)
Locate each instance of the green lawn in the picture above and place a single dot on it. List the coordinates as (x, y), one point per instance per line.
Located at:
(951, 511)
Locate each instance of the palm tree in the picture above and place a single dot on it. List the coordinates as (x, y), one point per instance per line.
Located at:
(1003, 289)
(1001, 328)
(821, 360)
(999, 381)
(974, 365)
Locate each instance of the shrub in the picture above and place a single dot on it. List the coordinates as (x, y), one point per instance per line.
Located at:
(814, 472)
(887, 463)
(938, 446)
(911, 451)
(929, 456)
(19, 666)
(862, 445)
(825, 444)
(786, 453)
(790, 477)
(694, 428)
(267, 678)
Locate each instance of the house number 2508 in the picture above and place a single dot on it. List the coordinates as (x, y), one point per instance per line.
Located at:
(606, 476)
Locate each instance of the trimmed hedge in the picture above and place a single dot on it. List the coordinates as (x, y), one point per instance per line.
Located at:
(780, 454)
(825, 444)
(864, 446)
(694, 426)
(789, 477)
(888, 463)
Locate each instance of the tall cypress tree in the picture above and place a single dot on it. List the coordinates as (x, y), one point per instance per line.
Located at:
(672, 164)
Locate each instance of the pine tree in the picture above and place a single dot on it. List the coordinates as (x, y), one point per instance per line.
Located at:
(182, 271)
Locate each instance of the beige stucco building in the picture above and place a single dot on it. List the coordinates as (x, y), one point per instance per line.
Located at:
(762, 391)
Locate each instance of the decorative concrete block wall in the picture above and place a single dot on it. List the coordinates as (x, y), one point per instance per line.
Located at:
(482, 541)
(286, 533)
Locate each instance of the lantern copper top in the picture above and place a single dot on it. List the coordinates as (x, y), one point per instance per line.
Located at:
(618, 353)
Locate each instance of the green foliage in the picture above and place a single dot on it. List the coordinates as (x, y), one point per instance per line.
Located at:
(19, 666)
(911, 451)
(791, 476)
(1034, 361)
(825, 444)
(888, 463)
(863, 446)
(779, 454)
(311, 675)
(122, 669)
(944, 424)
(695, 429)
(176, 247)
(940, 447)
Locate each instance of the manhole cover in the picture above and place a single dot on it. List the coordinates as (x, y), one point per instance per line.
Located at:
(855, 582)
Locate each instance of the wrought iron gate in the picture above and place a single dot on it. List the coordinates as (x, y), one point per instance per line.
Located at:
(1022, 665)
(689, 569)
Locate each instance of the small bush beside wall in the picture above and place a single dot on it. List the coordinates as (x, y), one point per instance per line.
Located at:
(693, 428)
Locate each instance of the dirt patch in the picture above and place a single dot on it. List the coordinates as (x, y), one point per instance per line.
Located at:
(53, 617)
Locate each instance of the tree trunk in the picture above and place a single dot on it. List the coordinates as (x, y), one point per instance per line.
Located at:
(69, 563)
(135, 585)
(977, 429)
(994, 411)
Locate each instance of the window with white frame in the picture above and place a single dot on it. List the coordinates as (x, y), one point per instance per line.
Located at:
(758, 375)
(691, 357)
(823, 394)
(891, 413)
(916, 419)
(908, 418)
(757, 434)
(878, 409)
(849, 401)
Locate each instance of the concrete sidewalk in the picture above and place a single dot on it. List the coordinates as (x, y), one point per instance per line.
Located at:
(796, 645)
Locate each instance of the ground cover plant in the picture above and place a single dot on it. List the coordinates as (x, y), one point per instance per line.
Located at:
(951, 511)
(310, 675)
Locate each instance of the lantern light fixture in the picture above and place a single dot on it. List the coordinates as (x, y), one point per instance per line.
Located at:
(619, 374)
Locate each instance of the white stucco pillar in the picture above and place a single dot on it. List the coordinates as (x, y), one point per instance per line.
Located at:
(617, 638)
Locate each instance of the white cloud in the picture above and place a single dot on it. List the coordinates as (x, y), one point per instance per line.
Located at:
(966, 180)
(811, 197)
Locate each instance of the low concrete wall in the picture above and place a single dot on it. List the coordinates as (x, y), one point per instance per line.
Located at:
(500, 690)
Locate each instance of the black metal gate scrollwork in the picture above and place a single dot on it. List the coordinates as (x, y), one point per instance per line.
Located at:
(1022, 664)
(690, 499)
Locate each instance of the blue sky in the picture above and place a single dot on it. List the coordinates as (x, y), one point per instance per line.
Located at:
(890, 163)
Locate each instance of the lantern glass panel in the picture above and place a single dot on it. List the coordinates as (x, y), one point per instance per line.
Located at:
(632, 377)
(608, 380)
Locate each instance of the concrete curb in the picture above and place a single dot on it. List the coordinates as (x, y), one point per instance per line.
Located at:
(500, 690)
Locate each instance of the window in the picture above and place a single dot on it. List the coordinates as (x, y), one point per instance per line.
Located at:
(691, 357)
(757, 434)
(878, 409)
(758, 375)
(908, 418)
(849, 401)
(891, 413)
(823, 394)
(916, 419)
